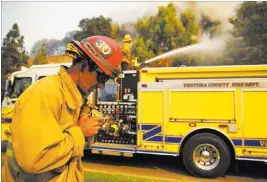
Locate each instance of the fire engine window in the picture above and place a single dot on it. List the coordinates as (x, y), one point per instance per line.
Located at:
(108, 93)
(20, 85)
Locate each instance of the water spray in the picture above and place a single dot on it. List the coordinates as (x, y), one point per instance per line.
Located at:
(214, 45)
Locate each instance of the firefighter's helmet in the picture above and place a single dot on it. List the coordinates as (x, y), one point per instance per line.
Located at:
(127, 38)
(104, 52)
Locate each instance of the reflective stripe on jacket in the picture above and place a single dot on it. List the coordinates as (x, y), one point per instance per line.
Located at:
(44, 132)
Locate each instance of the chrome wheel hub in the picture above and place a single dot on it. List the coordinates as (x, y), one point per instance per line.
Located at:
(206, 156)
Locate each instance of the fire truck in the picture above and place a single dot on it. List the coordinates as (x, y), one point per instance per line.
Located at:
(210, 116)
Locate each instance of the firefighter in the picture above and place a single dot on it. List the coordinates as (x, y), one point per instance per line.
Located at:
(126, 51)
(47, 131)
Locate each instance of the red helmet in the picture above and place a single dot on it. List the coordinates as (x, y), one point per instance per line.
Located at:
(104, 52)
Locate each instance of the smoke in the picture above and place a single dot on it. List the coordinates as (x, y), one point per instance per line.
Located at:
(216, 10)
(209, 51)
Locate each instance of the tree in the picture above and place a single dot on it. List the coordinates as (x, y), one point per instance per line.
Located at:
(13, 53)
(95, 26)
(249, 45)
(142, 49)
(115, 31)
(54, 46)
(41, 55)
(164, 32)
(188, 19)
(210, 27)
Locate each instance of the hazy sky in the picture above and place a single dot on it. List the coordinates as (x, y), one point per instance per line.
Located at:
(38, 20)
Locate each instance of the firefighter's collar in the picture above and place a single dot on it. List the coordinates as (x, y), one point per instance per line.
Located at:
(70, 90)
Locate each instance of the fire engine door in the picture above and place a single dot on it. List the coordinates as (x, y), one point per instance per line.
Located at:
(255, 122)
(151, 120)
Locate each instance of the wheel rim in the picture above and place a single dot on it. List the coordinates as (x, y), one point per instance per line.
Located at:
(206, 156)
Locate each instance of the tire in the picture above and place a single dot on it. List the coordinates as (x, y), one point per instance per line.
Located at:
(206, 165)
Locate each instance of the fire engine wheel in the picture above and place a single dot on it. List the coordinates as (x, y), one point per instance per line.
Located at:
(206, 155)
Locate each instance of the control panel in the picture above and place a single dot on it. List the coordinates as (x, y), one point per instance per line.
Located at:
(120, 125)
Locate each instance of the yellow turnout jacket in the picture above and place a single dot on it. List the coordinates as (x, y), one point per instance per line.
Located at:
(44, 135)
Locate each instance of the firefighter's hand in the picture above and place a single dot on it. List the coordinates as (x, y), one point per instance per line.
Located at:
(90, 126)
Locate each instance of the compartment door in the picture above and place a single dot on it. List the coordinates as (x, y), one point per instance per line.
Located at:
(151, 119)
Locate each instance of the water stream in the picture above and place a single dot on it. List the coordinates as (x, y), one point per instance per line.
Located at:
(214, 45)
